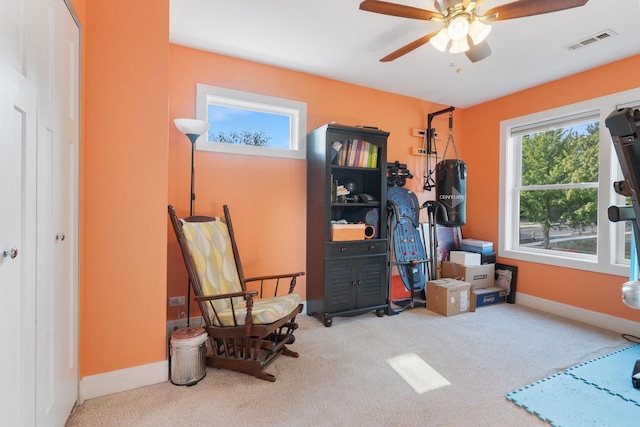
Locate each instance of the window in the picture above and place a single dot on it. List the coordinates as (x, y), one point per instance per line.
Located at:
(556, 184)
(247, 123)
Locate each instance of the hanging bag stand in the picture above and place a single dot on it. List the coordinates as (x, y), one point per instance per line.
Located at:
(429, 145)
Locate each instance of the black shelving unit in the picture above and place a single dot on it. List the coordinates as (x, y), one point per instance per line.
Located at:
(346, 278)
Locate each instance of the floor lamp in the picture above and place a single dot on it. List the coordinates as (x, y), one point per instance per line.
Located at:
(193, 129)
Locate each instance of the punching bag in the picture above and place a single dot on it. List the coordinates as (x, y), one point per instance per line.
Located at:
(451, 192)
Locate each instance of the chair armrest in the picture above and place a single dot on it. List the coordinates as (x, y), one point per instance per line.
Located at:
(245, 295)
(276, 278)
(248, 297)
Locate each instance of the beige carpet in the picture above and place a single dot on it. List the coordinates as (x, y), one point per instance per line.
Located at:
(342, 377)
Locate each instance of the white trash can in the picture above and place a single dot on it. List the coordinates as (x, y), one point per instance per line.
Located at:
(188, 356)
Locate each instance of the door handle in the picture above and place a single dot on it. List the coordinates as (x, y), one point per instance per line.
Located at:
(60, 236)
(11, 253)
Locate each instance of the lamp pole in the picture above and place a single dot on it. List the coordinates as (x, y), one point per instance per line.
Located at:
(192, 198)
(193, 129)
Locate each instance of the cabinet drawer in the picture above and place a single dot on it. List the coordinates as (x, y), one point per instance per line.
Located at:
(359, 248)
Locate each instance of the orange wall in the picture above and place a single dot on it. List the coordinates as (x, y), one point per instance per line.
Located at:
(481, 150)
(134, 162)
(267, 196)
(123, 184)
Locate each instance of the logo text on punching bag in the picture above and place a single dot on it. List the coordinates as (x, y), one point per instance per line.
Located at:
(452, 200)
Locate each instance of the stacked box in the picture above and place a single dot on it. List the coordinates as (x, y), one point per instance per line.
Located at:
(488, 258)
(479, 246)
(449, 297)
(465, 258)
(488, 296)
(479, 276)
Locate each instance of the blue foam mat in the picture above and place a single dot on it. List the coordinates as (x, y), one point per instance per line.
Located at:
(596, 393)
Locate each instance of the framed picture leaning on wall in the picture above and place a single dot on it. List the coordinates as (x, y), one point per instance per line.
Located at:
(506, 277)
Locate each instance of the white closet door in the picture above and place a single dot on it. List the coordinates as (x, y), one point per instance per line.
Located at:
(18, 90)
(57, 157)
(38, 194)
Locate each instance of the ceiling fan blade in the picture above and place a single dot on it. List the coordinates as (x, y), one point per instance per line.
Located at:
(473, 3)
(522, 8)
(402, 11)
(408, 48)
(479, 51)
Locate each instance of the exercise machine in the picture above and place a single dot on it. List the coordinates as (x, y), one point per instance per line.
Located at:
(416, 262)
(623, 125)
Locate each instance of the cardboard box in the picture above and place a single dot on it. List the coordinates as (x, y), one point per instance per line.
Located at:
(488, 258)
(465, 258)
(473, 245)
(449, 297)
(342, 232)
(480, 276)
(488, 296)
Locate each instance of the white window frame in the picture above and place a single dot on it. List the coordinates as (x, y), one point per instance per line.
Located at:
(295, 110)
(610, 257)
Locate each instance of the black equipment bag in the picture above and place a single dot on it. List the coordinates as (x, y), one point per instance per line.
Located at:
(451, 192)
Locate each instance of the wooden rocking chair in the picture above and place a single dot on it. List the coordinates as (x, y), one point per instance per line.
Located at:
(247, 331)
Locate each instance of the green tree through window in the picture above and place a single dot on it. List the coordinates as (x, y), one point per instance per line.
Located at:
(245, 137)
(555, 166)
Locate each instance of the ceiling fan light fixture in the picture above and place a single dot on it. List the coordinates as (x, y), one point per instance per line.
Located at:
(462, 21)
(459, 46)
(440, 40)
(478, 31)
(458, 28)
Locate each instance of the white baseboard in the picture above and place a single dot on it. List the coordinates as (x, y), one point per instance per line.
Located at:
(139, 376)
(122, 380)
(604, 321)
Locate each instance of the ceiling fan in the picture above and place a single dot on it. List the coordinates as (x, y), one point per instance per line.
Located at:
(464, 28)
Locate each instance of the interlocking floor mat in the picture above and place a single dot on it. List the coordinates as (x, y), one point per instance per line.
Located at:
(595, 393)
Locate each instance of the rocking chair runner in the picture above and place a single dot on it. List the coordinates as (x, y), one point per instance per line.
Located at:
(246, 330)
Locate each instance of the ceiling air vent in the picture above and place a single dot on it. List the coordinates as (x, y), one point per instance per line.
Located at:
(591, 39)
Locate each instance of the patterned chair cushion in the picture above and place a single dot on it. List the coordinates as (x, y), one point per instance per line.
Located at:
(210, 247)
(265, 310)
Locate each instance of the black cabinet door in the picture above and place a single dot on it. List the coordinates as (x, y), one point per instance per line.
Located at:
(339, 285)
(355, 283)
(371, 288)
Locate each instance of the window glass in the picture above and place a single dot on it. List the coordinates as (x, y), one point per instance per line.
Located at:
(559, 196)
(240, 126)
(248, 123)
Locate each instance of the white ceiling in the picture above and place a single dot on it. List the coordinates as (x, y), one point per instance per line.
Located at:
(334, 39)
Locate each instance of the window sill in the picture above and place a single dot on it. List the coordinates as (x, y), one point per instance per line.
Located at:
(560, 261)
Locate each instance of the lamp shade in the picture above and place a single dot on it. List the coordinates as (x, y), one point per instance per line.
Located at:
(193, 128)
(440, 40)
(459, 46)
(458, 28)
(478, 31)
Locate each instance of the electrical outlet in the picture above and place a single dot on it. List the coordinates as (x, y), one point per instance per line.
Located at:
(419, 151)
(176, 301)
